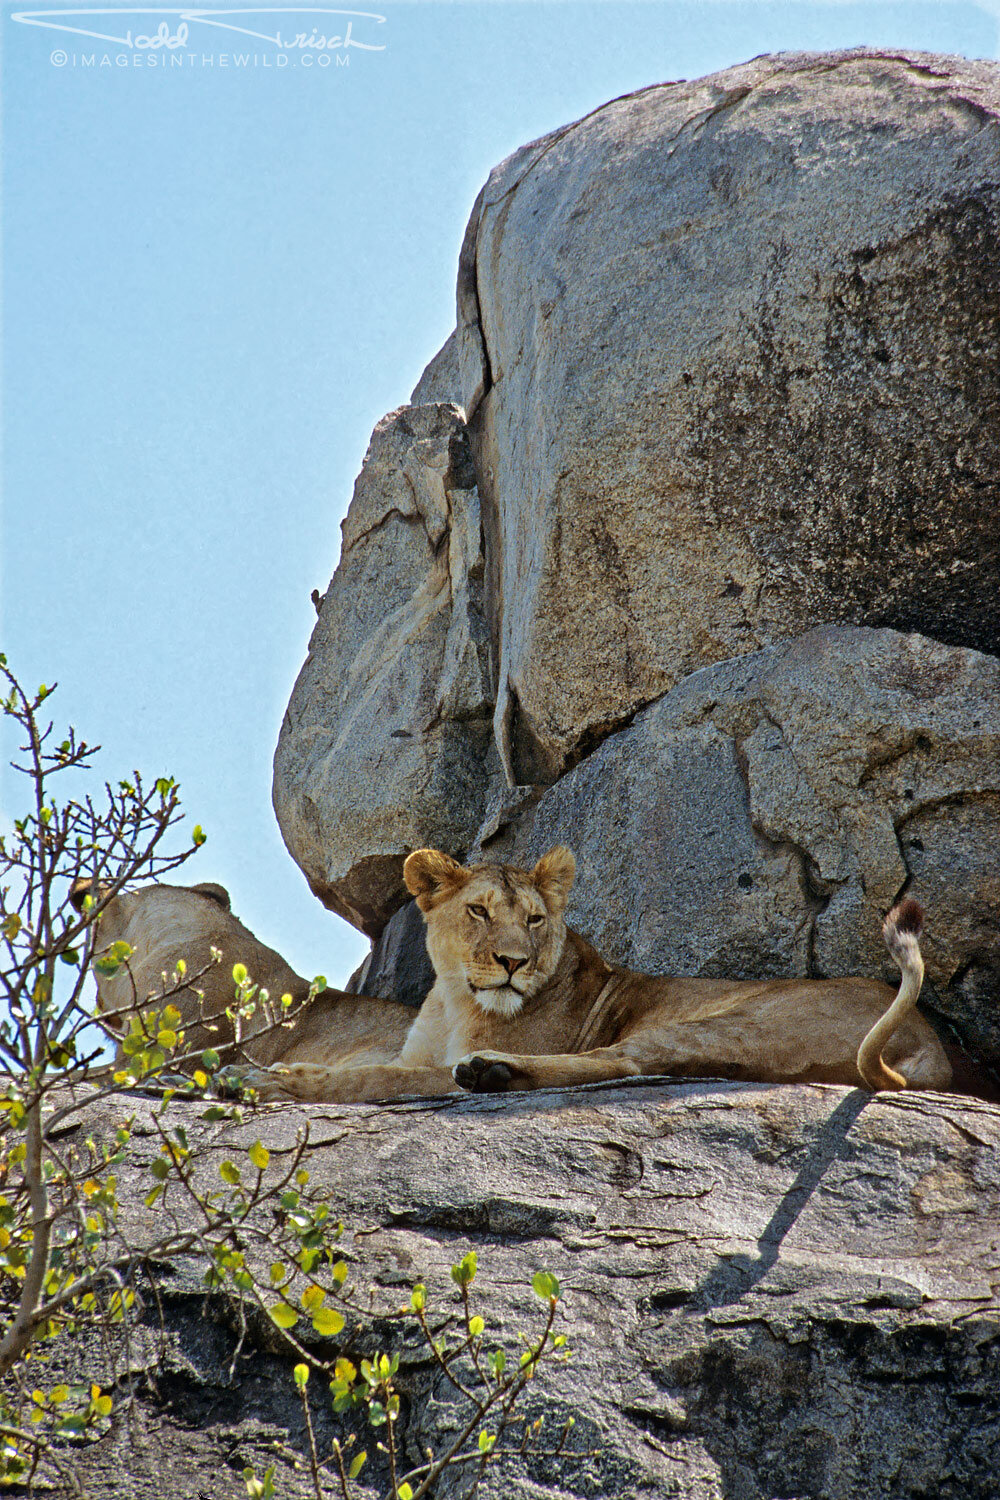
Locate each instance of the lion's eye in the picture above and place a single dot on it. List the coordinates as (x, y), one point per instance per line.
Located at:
(535, 920)
(480, 912)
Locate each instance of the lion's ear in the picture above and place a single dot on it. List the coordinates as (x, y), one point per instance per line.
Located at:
(82, 888)
(217, 893)
(431, 875)
(553, 875)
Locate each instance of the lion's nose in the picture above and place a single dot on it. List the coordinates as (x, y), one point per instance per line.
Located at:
(510, 964)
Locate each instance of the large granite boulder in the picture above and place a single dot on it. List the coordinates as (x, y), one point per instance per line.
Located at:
(768, 1291)
(761, 817)
(731, 359)
(384, 740)
(729, 353)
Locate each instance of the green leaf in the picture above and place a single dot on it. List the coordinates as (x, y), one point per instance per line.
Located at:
(418, 1297)
(357, 1464)
(283, 1315)
(211, 1059)
(486, 1441)
(545, 1285)
(229, 1173)
(240, 973)
(259, 1155)
(301, 1374)
(464, 1273)
(198, 836)
(476, 1326)
(328, 1322)
(160, 1168)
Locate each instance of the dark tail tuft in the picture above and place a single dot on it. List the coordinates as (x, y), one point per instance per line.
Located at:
(907, 917)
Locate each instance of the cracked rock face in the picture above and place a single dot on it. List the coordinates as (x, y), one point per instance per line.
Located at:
(768, 1291)
(383, 742)
(730, 353)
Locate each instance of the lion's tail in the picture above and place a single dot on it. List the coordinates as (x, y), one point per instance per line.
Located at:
(901, 930)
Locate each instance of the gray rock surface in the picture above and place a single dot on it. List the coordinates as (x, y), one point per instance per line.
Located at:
(398, 966)
(762, 816)
(730, 354)
(768, 1292)
(442, 379)
(383, 744)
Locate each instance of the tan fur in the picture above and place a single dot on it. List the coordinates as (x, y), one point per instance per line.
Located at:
(164, 923)
(522, 1002)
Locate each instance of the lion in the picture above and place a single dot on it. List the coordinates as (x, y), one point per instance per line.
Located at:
(521, 1001)
(163, 924)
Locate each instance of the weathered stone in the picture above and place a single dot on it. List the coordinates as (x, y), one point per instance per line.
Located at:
(760, 818)
(383, 743)
(730, 352)
(398, 967)
(768, 1291)
(442, 379)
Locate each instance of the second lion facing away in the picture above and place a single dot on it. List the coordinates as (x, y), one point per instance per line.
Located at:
(523, 1002)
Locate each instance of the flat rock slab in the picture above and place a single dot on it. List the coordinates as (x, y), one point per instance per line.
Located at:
(768, 1291)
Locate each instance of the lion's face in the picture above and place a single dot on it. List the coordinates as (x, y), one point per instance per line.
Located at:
(495, 930)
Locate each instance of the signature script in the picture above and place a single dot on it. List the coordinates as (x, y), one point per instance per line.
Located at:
(219, 20)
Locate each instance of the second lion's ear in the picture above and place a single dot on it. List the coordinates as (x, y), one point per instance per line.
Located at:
(431, 875)
(553, 875)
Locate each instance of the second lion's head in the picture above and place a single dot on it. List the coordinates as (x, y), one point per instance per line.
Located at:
(496, 929)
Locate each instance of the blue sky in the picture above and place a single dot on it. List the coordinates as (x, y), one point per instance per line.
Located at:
(216, 279)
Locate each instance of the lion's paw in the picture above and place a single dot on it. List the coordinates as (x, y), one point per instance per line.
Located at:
(236, 1080)
(484, 1073)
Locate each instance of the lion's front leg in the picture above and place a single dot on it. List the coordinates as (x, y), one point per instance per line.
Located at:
(498, 1072)
(317, 1083)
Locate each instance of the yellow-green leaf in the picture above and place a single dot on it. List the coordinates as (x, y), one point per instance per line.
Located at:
(259, 1155)
(301, 1374)
(229, 1173)
(328, 1322)
(313, 1298)
(357, 1464)
(283, 1315)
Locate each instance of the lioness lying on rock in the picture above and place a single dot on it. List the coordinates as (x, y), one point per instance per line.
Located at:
(165, 923)
(522, 1002)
